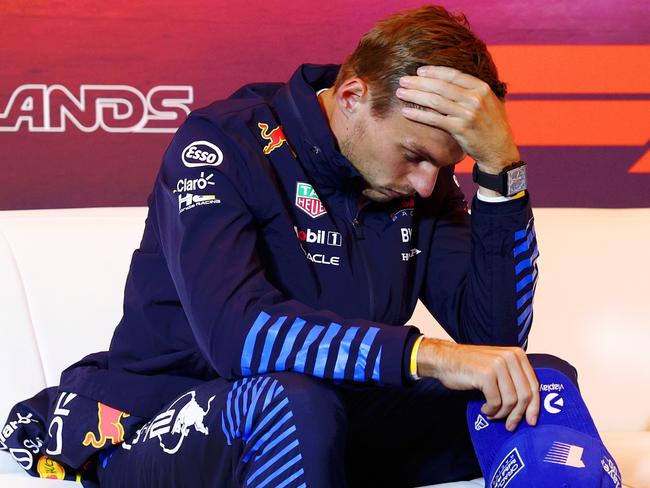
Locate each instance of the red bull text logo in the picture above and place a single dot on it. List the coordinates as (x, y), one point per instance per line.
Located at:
(109, 427)
(275, 137)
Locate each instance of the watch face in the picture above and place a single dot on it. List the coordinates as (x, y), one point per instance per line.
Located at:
(517, 180)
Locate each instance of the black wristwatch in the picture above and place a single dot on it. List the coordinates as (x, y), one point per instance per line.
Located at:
(509, 182)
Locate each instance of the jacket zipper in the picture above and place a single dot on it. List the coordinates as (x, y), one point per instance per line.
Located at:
(358, 233)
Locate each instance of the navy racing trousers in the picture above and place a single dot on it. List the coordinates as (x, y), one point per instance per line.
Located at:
(293, 430)
(275, 430)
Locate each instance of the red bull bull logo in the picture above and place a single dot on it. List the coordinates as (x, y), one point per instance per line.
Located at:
(275, 137)
(171, 427)
(109, 427)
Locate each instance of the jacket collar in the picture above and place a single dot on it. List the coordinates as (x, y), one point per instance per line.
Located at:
(307, 130)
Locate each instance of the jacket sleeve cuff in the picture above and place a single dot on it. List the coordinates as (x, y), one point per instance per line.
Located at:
(485, 198)
(511, 206)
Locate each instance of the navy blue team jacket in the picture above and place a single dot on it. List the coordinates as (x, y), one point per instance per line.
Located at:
(257, 257)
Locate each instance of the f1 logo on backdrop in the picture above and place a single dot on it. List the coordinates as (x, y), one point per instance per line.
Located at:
(112, 108)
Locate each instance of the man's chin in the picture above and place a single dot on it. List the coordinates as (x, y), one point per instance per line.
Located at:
(376, 195)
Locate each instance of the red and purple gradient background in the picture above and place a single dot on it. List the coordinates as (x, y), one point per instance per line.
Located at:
(578, 74)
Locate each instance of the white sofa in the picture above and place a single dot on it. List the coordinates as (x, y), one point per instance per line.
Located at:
(63, 274)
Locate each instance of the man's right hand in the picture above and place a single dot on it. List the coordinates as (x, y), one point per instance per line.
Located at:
(503, 374)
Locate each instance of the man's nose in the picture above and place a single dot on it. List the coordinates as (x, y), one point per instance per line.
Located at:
(423, 180)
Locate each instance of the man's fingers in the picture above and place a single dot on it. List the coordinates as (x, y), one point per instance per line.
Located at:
(532, 412)
(431, 118)
(432, 101)
(523, 387)
(506, 378)
(490, 388)
(432, 85)
(507, 387)
(451, 75)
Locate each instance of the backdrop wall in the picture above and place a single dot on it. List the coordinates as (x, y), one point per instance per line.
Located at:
(90, 93)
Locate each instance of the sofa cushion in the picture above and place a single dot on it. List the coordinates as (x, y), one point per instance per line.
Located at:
(73, 265)
(64, 271)
(20, 360)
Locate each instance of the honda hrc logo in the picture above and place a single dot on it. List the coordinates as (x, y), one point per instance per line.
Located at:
(329, 238)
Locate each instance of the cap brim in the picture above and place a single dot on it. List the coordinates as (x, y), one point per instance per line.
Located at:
(553, 456)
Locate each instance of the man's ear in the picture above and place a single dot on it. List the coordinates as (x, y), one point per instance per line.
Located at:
(352, 96)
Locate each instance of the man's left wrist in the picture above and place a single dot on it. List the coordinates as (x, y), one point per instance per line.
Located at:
(510, 181)
(496, 165)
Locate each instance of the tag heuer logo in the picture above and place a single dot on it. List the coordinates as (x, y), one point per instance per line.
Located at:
(307, 200)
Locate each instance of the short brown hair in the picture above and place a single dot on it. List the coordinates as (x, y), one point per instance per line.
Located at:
(398, 45)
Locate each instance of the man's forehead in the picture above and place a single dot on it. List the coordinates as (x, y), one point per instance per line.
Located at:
(421, 133)
(429, 141)
(412, 132)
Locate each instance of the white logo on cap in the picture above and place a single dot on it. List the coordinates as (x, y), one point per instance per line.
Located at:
(610, 468)
(551, 405)
(551, 387)
(480, 423)
(565, 454)
(511, 465)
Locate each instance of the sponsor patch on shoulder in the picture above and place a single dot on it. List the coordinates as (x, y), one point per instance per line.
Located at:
(307, 200)
(201, 153)
(274, 137)
(188, 201)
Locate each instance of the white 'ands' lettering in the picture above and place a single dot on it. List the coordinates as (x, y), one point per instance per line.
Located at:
(113, 108)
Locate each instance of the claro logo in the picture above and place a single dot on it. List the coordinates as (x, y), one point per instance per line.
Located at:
(202, 153)
(112, 108)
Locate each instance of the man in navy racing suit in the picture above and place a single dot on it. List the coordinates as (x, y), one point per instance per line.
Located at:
(291, 230)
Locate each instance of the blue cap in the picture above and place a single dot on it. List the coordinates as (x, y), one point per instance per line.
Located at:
(563, 450)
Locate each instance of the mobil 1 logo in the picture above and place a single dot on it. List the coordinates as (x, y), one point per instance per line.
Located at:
(318, 236)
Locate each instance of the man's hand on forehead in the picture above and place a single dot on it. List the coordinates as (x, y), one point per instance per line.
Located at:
(465, 107)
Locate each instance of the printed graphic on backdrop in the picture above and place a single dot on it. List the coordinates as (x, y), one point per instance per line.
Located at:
(88, 106)
(112, 108)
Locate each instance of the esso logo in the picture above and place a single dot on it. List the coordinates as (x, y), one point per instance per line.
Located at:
(202, 153)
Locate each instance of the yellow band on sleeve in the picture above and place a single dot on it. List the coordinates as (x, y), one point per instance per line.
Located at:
(414, 358)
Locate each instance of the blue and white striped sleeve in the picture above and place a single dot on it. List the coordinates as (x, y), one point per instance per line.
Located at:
(482, 270)
(525, 254)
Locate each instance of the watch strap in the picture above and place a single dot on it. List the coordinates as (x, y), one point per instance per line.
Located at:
(500, 182)
(487, 180)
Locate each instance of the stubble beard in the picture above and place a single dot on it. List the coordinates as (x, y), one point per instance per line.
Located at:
(348, 147)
